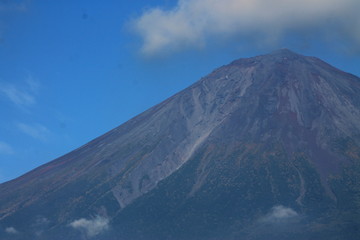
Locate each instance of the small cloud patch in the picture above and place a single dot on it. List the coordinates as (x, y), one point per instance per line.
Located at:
(280, 213)
(11, 230)
(91, 227)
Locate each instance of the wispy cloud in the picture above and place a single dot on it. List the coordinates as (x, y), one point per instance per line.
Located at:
(5, 148)
(17, 96)
(40, 225)
(92, 227)
(11, 230)
(33, 85)
(280, 213)
(193, 23)
(11, 6)
(22, 95)
(36, 131)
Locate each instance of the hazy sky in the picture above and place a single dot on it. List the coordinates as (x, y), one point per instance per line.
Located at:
(72, 70)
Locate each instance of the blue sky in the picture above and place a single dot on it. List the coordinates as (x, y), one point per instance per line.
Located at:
(72, 70)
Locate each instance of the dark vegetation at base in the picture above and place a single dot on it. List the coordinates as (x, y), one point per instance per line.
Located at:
(234, 200)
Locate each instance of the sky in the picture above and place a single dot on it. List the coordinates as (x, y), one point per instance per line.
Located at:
(72, 70)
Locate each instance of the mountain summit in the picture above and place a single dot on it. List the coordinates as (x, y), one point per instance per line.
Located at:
(266, 147)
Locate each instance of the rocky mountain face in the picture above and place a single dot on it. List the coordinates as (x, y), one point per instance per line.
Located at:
(263, 148)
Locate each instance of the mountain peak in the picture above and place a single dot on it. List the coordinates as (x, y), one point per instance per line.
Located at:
(284, 52)
(277, 56)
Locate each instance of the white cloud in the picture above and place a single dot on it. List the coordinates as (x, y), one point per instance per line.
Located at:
(5, 148)
(21, 94)
(193, 22)
(280, 213)
(36, 131)
(91, 227)
(11, 230)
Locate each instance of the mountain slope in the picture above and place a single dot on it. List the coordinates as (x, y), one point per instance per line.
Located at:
(264, 146)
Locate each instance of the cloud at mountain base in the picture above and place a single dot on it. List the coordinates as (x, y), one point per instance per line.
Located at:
(91, 227)
(279, 213)
(11, 230)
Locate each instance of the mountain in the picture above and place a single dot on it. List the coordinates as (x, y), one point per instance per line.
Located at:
(266, 147)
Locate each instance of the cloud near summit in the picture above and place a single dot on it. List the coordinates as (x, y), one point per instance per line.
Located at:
(192, 23)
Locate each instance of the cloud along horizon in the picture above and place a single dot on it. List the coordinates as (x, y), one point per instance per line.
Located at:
(195, 23)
